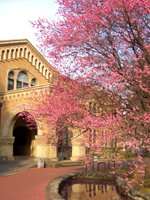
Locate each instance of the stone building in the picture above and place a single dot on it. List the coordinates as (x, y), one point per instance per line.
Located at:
(21, 65)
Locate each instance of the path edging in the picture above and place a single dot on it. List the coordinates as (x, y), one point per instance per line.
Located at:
(52, 189)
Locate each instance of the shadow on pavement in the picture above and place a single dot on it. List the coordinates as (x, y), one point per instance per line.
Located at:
(12, 166)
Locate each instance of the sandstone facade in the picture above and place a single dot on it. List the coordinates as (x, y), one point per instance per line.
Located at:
(22, 65)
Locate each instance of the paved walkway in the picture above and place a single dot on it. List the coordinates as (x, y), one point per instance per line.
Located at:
(30, 185)
(27, 185)
(13, 166)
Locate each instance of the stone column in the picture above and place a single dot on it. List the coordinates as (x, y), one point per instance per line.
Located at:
(6, 147)
(0, 117)
(78, 149)
(44, 150)
(15, 81)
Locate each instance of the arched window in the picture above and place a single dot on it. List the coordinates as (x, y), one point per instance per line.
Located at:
(22, 80)
(94, 136)
(33, 82)
(65, 140)
(10, 81)
(90, 106)
(90, 137)
(94, 108)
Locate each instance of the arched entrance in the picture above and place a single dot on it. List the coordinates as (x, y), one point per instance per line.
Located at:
(24, 143)
(13, 125)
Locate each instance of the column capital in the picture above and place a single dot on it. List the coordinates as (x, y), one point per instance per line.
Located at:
(77, 142)
(41, 140)
(6, 141)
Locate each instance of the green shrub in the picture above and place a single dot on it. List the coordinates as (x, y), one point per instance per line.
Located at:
(128, 155)
(108, 153)
(96, 154)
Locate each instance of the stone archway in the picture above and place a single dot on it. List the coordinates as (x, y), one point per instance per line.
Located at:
(12, 125)
(42, 149)
(24, 139)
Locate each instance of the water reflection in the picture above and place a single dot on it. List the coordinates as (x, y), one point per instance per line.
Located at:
(90, 189)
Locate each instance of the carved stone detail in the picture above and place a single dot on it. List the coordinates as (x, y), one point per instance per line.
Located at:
(23, 52)
(22, 93)
(41, 140)
(6, 141)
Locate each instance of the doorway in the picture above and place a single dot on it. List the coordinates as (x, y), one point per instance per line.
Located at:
(24, 144)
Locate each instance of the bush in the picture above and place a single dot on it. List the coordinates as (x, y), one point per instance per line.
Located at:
(128, 155)
(96, 154)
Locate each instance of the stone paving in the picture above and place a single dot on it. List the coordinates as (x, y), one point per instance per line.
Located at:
(27, 185)
(13, 166)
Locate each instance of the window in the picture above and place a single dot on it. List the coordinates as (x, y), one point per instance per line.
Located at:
(90, 137)
(106, 135)
(65, 140)
(33, 82)
(22, 80)
(92, 107)
(87, 150)
(94, 137)
(10, 81)
(113, 143)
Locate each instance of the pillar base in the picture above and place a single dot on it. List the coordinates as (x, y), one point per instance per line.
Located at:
(78, 152)
(75, 159)
(54, 159)
(44, 150)
(6, 147)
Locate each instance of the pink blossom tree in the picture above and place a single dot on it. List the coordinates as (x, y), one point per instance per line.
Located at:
(105, 46)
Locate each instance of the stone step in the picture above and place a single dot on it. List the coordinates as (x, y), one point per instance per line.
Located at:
(65, 163)
(3, 158)
(70, 164)
(24, 158)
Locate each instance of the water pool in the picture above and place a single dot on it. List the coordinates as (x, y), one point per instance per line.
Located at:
(90, 189)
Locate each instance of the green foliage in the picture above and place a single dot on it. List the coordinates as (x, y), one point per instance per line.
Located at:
(96, 154)
(108, 153)
(128, 155)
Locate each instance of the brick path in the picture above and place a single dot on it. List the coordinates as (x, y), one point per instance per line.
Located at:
(30, 185)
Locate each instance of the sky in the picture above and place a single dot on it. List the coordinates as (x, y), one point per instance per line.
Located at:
(16, 14)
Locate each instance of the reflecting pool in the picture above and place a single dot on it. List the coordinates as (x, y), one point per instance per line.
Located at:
(90, 189)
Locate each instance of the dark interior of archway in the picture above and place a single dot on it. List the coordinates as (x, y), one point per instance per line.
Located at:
(64, 149)
(24, 144)
(22, 141)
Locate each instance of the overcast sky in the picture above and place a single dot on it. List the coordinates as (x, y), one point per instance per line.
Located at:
(15, 16)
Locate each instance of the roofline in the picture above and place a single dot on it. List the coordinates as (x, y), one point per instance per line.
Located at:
(24, 41)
